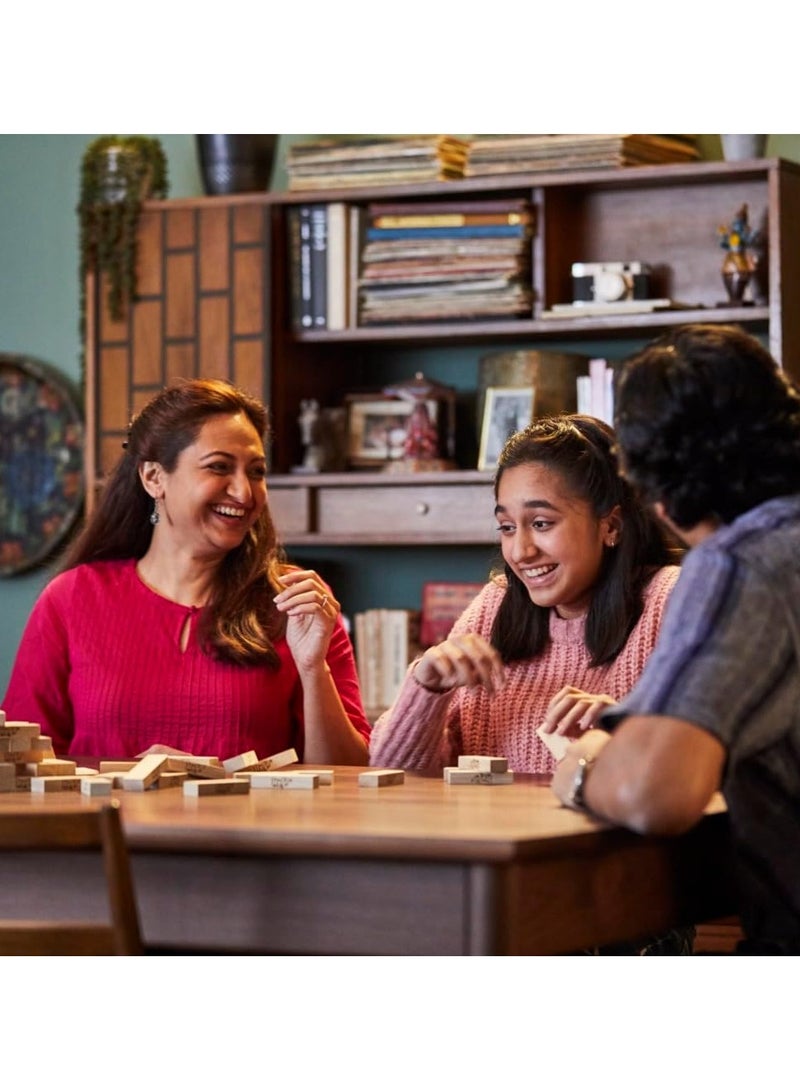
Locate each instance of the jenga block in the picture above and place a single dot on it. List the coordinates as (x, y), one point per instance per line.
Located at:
(380, 778)
(14, 727)
(95, 786)
(283, 780)
(86, 771)
(22, 782)
(117, 766)
(2, 717)
(277, 761)
(325, 775)
(195, 767)
(481, 764)
(239, 762)
(454, 775)
(171, 779)
(144, 773)
(56, 784)
(51, 767)
(176, 763)
(224, 787)
(28, 745)
(8, 773)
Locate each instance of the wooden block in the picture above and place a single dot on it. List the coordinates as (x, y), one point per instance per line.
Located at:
(56, 784)
(556, 744)
(240, 761)
(95, 786)
(51, 767)
(2, 717)
(483, 764)
(23, 782)
(325, 775)
(144, 773)
(279, 760)
(195, 767)
(454, 775)
(8, 774)
(380, 778)
(115, 778)
(224, 787)
(172, 779)
(117, 766)
(14, 727)
(283, 780)
(28, 747)
(176, 763)
(86, 771)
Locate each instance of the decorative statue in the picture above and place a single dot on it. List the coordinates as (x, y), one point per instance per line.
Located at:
(309, 435)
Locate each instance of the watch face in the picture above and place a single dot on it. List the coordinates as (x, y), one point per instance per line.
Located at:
(41, 461)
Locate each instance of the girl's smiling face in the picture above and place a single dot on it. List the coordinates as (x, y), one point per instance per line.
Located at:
(551, 538)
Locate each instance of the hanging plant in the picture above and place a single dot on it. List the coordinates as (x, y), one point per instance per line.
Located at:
(118, 173)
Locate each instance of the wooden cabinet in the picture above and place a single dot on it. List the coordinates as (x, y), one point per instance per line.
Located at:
(214, 289)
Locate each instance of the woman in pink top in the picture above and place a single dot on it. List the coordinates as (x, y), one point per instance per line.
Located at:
(176, 623)
(566, 628)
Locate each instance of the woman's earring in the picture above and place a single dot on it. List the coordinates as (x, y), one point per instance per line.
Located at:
(154, 516)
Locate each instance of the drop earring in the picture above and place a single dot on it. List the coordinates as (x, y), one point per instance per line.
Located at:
(154, 516)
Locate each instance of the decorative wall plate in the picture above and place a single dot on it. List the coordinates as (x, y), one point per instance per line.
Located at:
(41, 461)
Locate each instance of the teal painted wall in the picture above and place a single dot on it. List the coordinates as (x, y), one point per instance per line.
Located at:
(39, 177)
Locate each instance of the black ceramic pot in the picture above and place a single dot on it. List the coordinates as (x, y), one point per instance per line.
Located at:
(236, 163)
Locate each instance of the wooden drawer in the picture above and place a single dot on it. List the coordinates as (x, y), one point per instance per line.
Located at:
(291, 510)
(420, 513)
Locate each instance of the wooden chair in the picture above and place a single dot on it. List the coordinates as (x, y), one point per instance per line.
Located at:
(68, 831)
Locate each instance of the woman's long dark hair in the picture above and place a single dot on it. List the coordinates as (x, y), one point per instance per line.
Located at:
(240, 623)
(581, 450)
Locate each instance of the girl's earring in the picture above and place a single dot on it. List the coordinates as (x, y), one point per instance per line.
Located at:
(154, 516)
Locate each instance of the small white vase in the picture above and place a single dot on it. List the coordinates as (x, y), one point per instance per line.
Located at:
(743, 146)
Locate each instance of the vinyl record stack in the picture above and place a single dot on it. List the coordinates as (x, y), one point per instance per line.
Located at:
(433, 261)
(525, 154)
(333, 164)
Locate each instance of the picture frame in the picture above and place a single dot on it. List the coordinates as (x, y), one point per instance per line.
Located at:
(376, 428)
(507, 409)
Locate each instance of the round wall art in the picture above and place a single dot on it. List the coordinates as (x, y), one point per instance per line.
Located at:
(41, 461)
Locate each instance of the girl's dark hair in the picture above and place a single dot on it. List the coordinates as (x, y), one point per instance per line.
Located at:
(240, 623)
(708, 424)
(581, 450)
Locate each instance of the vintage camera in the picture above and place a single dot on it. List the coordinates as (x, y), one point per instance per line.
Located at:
(610, 281)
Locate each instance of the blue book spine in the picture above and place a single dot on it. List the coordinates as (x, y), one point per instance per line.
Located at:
(468, 231)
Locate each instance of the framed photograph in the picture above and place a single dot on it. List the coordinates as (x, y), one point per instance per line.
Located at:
(376, 428)
(507, 409)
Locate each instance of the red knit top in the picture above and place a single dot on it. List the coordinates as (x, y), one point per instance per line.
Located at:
(426, 731)
(100, 667)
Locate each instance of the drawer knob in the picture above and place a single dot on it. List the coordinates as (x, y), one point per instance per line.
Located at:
(422, 508)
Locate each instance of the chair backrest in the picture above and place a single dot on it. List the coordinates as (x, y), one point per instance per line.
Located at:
(74, 830)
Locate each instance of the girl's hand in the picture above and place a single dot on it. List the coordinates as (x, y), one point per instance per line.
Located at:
(464, 660)
(572, 711)
(311, 611)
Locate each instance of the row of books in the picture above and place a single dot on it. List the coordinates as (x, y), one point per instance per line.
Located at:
(595, 391)
(370, 161)
(415, 261)
(386, 640)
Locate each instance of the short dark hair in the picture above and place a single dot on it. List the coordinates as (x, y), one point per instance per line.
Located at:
(707, 424)
(581, 450)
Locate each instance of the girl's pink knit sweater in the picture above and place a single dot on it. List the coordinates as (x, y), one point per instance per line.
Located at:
(426, 731)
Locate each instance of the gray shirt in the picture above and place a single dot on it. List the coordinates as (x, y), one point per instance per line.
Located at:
(728, 661)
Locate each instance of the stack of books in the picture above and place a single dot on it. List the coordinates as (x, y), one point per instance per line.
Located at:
(440, 260)
(595, 391)
(530, 153)
(386, 640)
(332, 164)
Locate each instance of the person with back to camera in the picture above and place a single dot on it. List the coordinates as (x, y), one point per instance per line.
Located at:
(566, 628)
(709, 433)
(176, 624)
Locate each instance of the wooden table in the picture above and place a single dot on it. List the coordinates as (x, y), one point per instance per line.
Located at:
(421, 868)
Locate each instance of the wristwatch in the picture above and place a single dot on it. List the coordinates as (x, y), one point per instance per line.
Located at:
(575, 798)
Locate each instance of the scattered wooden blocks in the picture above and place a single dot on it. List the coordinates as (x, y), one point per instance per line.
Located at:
(283, 780)
(483, 764)
(380, 778)
(227, 786)
(454, 775)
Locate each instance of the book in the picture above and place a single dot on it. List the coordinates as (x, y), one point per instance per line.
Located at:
(386, 640)
(461, 207)
(304, 226)
(443, 603)
(354, 248)
(329, 164)
(319, 266)
(338, 272)
(469, 231)
(450, 219)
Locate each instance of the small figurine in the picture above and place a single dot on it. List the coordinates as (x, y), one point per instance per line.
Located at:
(309, 429)
(739, 239)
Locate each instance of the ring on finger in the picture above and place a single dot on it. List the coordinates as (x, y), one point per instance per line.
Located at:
(324, 602)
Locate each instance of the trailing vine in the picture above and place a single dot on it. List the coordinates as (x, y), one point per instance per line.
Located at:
(118, 173)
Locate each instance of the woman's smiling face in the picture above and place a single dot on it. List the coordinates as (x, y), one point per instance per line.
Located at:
(551, 538)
